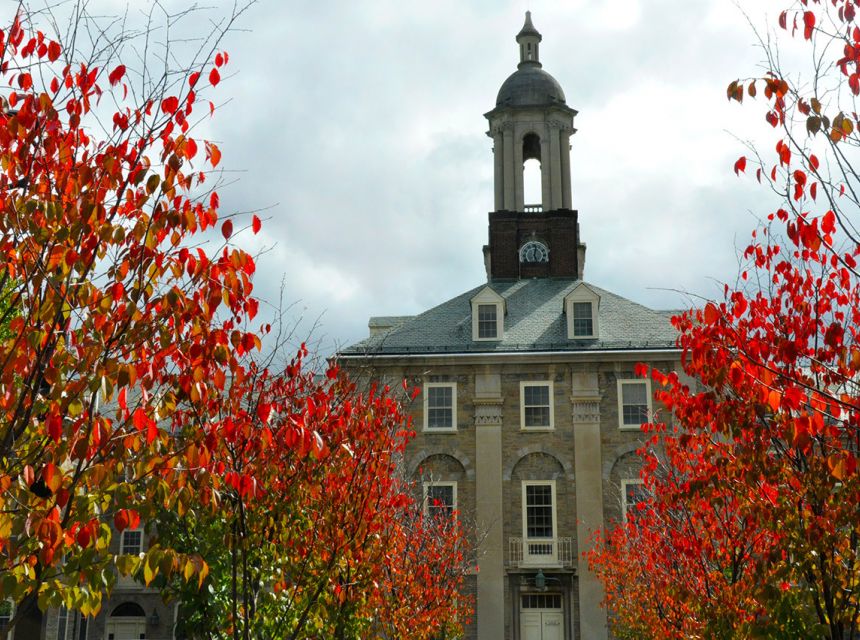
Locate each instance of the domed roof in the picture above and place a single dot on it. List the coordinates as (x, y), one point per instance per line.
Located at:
(530, 86)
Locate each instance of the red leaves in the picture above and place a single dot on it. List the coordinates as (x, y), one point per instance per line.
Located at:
(54, 424)
(170, 104)
(828, 222)
(711, 314)
(808, 24)
(227, 229)
(784, 153)
(256, 225)
(740, 165)
(214, 77)
(126, 519)
(54, 51)
(116, 75)
(193, 78)
(143, 422)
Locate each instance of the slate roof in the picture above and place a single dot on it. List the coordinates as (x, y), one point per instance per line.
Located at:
(534, 322)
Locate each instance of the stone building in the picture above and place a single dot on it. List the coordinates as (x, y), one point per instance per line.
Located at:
(529, 415)
(132, 612)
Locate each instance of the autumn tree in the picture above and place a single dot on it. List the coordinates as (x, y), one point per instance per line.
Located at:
(752, 527)
(315, 536)
(119, 330)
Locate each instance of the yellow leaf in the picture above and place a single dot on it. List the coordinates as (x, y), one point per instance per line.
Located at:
(188, 572)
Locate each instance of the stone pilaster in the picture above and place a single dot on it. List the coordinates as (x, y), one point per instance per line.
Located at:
(499, 169)
(488, 506)
(587, 462)
(508, 136)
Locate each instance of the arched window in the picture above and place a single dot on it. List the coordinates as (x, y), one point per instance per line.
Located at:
(534, 251)
(532, 182)
(128, 610)
(126, 621)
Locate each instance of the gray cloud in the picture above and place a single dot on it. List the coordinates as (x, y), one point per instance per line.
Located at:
(362, 123)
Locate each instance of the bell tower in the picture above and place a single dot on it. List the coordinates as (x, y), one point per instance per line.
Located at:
(531, 121)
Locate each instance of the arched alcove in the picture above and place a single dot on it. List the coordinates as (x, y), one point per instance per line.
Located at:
(532, 179)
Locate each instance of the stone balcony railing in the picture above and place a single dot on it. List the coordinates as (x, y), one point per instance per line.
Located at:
(540, 552)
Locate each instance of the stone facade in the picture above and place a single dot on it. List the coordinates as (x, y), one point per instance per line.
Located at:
(132, 610)
(526, 456)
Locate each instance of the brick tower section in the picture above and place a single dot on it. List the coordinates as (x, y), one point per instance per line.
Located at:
(510, 230)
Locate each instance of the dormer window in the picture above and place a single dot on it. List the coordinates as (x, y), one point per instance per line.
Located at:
(488, 315)
(580, 307)
(488, 322)
(583, 319)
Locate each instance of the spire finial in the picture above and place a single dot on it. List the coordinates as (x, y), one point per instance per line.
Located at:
(528, 39)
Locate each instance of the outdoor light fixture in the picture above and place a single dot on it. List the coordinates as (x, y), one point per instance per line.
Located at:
(540, 580)
(154, 620)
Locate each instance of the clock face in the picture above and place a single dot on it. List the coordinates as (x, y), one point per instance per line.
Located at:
(534, 252)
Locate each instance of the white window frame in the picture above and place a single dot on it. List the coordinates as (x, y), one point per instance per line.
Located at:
(624, 484)
(487, 296)
(648, 398)
(582, 293)
(122, 550)
(437, 385)
(537, 383)
(544, 559)
(438, 483)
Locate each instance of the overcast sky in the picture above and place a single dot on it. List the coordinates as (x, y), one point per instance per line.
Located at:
(359, 125)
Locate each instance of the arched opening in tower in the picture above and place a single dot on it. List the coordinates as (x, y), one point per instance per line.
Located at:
(532, 182)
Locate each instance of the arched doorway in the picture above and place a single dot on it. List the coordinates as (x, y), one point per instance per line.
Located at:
(126, 622)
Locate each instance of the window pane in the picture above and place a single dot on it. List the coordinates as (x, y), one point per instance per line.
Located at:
(539, 511)
(634, 393)
(582, 320)
(634, 403)
(536, 404)
(62, 621)
(131, 542)
(440, 499)
(537, 395)
(487, 325)
(634, 493)
(440, 407)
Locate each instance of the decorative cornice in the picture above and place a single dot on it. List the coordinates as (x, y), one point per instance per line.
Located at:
(585, 411)
(488, 413)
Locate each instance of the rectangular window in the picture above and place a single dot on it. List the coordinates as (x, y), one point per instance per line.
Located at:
(6, 610)
(634, 403)
(536, 406)
(62, 623)
(440, 406)
(583, 322)
(539, 511)
(632, 493)
(440, 498)
(131, 542)
(487, 321)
